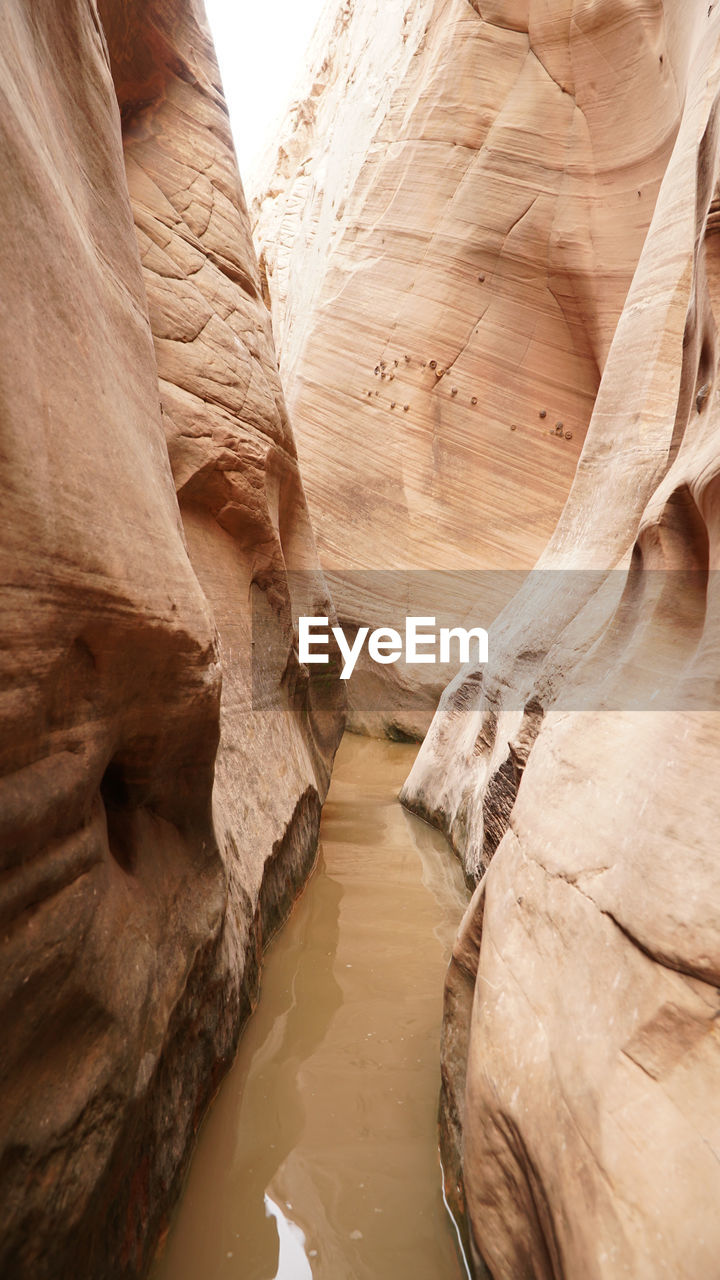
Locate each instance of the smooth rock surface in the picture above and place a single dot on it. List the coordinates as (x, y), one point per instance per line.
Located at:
(448, 231)
(137, 884)
(581, 1129)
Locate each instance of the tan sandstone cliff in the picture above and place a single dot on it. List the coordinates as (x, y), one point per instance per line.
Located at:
(581, 1058)
(155, 824)
(448, 230)
(566, 151)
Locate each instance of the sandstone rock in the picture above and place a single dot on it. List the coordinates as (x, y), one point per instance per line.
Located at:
(579, 1116)
(458, 201)
(134, 894)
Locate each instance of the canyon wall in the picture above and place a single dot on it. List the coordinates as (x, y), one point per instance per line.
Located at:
(575, 777)
(160, 792)
(448, 230)
(492, 212)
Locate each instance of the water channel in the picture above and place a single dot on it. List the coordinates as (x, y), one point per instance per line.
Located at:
(318, 1159)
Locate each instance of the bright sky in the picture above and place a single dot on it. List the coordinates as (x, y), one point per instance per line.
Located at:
(260, 45)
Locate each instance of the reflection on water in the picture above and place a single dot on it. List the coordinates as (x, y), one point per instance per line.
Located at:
(318, 1158)
(293, 1262)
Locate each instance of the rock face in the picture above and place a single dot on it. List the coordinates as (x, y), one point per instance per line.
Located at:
(449, 229)
(526, 194)
(155, 823)
(580, 1118)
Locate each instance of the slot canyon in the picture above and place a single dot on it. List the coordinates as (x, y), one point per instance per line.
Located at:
(451, 353)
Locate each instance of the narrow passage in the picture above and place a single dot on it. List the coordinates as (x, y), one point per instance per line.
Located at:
(318, 1159)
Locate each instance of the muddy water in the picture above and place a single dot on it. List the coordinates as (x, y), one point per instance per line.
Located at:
(318, 1159)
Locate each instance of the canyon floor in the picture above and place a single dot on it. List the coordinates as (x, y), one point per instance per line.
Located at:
(319, 1155)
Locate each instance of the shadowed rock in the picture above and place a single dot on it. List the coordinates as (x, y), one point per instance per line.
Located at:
(141, 795)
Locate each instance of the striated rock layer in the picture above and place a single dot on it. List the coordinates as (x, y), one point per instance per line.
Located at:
(449, 229)
(580, 1118)
(155, 824)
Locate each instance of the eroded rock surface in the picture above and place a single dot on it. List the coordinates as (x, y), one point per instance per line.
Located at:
(580, 1118)
(449, 229)
(138, 879)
